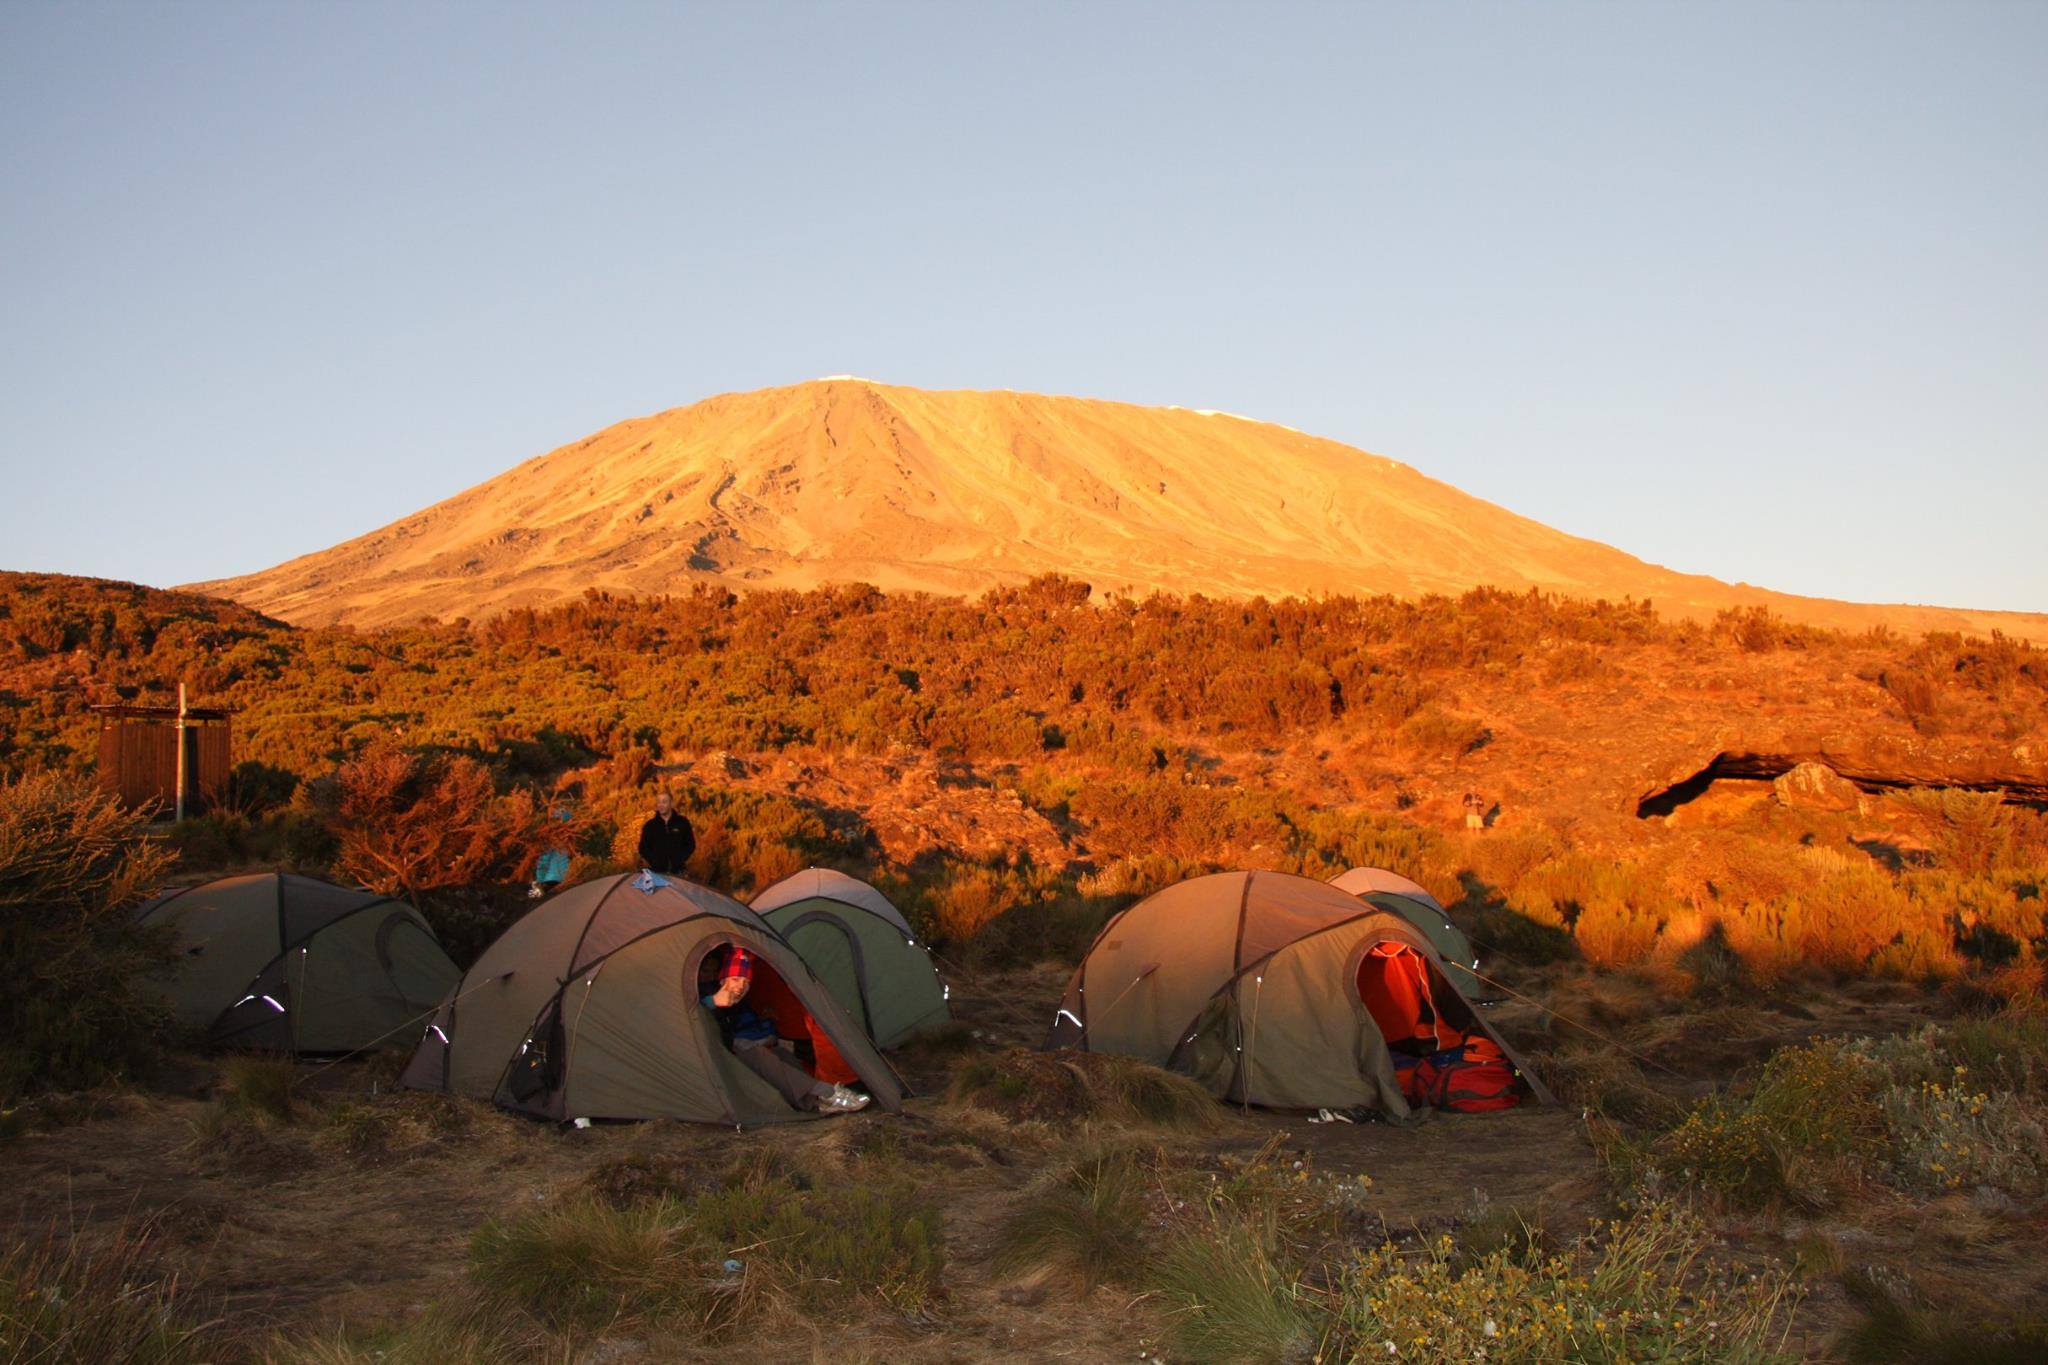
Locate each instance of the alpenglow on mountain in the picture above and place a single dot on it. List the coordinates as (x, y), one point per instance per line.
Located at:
(844, 480)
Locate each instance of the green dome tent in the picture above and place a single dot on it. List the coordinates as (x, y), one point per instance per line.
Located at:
(1392, 891)
(297, 965)
(861, 947)
(595, 994)
(1254, 984)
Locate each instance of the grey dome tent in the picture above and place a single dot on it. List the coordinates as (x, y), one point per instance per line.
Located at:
(297, 965)
(861, 947)
(594, 996)
(1392, 891)
(1253, 984)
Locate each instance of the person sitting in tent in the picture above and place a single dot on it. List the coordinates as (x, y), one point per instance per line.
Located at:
(726, 979)
(666, 840)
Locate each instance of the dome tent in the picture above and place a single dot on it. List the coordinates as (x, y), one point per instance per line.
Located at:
(1392, 891)
(297, 965)
(861, 947)
(1255, 985)
(596, 990)
(1360, 880)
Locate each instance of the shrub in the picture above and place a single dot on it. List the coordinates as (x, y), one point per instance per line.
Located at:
(1811, 1116)
(1434, 733)
(406, 822)
(217, 839)
(1903, 1110)
(77, 1009)
(1633, 1290)
(1972, 832)
(1948, 1136)
(1057, 925)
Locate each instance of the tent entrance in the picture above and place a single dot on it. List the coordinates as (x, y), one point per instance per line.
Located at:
(1395, 985)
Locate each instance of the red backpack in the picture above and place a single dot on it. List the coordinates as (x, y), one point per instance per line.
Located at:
(1415, 1075)
(1472, 1079)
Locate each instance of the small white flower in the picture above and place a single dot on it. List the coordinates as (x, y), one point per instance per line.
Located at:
(1392, 1349)
(1490, 1327)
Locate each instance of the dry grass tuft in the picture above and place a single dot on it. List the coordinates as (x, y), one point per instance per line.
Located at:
(1087, 1220)
(61, 1300)
(1068, 1088)
(706, 1262)
(466, 1332)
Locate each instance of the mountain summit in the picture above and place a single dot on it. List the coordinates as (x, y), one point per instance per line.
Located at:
(845, 480)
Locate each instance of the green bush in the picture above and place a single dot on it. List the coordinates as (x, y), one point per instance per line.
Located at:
(1813, 1114)
(1946, 1107)
(1636, 1289)
(77, 1010)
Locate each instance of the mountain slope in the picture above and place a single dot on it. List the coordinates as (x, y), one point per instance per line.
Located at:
(845, 480)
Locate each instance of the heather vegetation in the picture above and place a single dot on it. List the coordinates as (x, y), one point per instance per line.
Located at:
(1792, 1038)
(428, 760)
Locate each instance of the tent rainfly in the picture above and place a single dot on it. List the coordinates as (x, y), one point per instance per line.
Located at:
(1392, 891)
(594, 995)
(862, 948)
(1262, 986)
(296, 965)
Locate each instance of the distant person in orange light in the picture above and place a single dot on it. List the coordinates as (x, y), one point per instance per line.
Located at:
(1475, 811)
(666, 840)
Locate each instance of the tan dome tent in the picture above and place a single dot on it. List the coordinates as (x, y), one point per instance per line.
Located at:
(595, 994)
(861, 947)
(1392, 891)
(296, 965)
(1359, 880)
(1263, 986)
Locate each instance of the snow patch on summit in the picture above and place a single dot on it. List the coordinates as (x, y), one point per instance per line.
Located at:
(1235, 417)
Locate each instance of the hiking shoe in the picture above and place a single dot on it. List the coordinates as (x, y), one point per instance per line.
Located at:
(843, 1101)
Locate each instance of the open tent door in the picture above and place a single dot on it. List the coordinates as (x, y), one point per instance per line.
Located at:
(1394, 984)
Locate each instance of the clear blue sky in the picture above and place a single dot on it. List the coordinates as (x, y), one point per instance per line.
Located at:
(1759, 291)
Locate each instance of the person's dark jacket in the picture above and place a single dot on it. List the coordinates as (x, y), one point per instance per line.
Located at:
(666, 845)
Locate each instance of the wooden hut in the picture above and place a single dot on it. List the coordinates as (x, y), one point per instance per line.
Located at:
(139, 754)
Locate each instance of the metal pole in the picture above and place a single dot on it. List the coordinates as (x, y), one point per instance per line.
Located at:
(181, 751)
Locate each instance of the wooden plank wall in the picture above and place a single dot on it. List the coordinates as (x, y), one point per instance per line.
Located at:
(139, 762)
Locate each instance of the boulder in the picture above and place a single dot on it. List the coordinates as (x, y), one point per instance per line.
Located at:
(1815, 786)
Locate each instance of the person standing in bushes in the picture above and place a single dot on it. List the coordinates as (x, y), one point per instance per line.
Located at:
(666, 840)
(724, 982)
(1475, 811)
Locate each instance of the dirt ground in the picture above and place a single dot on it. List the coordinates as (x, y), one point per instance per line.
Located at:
(293, 1233)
